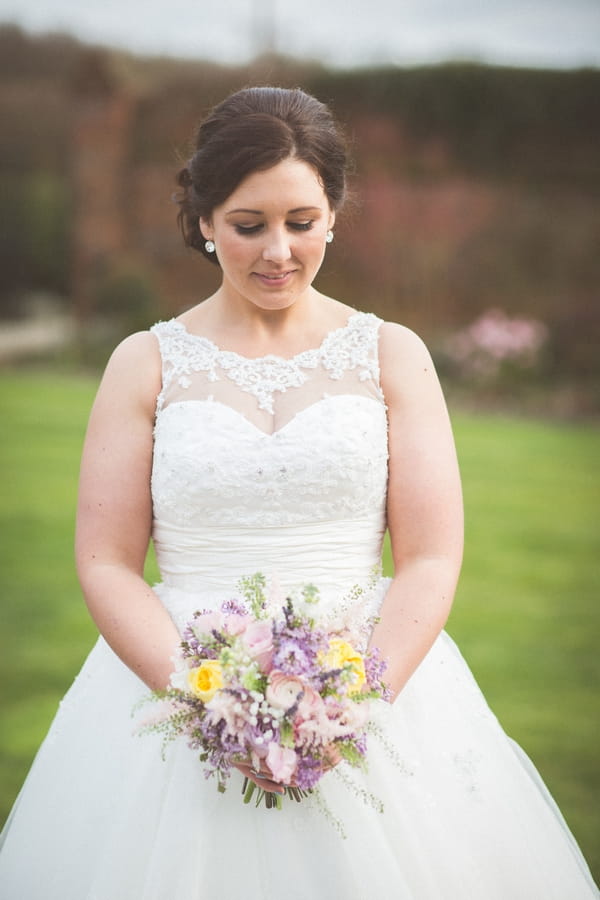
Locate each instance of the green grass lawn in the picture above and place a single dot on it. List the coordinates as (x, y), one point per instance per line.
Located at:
(526, 615)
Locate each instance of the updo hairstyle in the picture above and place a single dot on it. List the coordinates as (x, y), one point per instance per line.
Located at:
(251, 131)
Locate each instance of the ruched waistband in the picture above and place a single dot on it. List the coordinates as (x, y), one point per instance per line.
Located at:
(327, 553)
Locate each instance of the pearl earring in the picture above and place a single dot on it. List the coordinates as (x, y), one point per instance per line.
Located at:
(329, 236)
(209, 246)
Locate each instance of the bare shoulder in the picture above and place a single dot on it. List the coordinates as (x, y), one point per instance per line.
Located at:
(394, 338)
(134, 370)
(404, 360)
(139, 348)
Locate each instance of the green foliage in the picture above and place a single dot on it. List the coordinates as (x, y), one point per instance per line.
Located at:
(286, 734)
(526, 615)
(34, 251)
(253, 591)
(500, 121)
(127, 298)
(310, 593)
(47, 57)
(349, 752)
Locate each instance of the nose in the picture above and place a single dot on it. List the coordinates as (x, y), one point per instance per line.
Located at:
(277, 245)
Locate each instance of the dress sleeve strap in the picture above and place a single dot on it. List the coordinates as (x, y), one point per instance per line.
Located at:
(355, 347)
(163, 333)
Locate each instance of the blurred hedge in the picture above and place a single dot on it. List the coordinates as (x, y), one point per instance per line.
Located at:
(526, 141)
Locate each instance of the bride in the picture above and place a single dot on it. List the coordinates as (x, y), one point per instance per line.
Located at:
(271, 428)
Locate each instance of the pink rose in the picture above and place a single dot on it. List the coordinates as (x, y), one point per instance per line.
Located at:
(235, 623)
(283, 690)
(258, 640)
(207, 622)
(310, 706)
(282, 762)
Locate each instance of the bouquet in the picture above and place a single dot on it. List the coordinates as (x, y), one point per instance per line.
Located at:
(259, 682)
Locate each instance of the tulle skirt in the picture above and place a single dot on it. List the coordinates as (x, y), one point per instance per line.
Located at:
(103, 816)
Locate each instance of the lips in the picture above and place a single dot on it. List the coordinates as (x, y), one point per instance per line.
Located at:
(274, 279)
(274, 276)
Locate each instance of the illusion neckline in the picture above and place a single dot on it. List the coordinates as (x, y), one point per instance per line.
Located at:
(298, 415)
(310, 351)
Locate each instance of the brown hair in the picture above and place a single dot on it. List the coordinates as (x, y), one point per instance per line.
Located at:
(251, 131)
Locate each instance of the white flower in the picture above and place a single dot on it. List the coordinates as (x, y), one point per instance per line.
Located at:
(179, 677)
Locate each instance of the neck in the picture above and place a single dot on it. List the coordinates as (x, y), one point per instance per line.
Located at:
(238, 325)
(242, 320)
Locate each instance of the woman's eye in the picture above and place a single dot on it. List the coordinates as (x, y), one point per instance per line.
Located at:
(254, 229)
(247, 229)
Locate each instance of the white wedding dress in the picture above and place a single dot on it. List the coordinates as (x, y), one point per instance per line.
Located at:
(280, 466)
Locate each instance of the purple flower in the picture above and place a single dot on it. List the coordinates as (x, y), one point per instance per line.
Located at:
(293, 656)
(360, 743)
(308, 772)
(234, 607)
(297, 644)
(375, 666)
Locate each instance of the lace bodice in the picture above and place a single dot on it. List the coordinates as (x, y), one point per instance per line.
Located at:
(269, 441)
(273, 465)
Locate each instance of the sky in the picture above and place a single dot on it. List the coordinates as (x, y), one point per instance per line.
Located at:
(343, 33)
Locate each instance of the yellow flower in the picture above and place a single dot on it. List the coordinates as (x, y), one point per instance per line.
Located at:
(206, 680)
(342, 654)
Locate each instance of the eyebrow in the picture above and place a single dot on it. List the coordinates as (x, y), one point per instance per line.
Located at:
(259, 212)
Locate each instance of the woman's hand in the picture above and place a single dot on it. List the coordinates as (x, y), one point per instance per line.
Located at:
(263, 777)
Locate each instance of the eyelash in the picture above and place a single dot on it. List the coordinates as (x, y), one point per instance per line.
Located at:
(254, 229)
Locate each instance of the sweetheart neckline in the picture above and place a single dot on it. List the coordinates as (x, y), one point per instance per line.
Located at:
(278, 431)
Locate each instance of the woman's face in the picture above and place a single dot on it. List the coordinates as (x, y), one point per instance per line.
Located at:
(270, 235)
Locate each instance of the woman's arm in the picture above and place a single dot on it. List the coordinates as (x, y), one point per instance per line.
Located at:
(424, 506)
(114, 513)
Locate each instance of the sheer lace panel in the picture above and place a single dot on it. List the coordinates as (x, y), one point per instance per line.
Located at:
(269, 391)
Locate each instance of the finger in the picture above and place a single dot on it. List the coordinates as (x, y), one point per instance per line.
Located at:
(267, 784)
(262, 779)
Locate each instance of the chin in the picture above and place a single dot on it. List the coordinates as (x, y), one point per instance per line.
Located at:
(275, 302)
